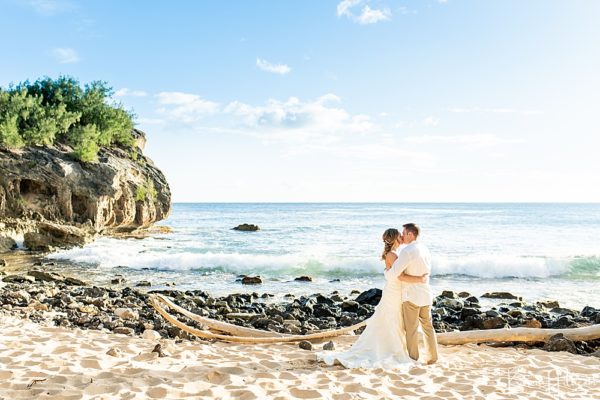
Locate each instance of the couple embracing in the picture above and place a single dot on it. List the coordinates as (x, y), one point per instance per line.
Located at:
(390, 339)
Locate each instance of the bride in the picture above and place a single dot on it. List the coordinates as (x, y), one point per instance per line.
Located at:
(383, 342)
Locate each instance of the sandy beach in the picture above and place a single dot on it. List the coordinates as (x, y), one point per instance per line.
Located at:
(46, 362)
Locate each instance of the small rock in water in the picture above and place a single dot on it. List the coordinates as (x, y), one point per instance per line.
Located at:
(143, 284)
(114, 352)
(158, 349)
(3, 262)
(329, 346)
(305, 345)
(117, 281)
(247, 228)
(251, 280)
(501, 295)
(304, 279)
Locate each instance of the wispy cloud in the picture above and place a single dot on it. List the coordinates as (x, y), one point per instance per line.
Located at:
(431, 121)
(372, 16)
(65, 55)
(367, 15)
(281, 69)
(123, 92)
(184, 107)
(50, 7)
(343, 7)
(479, 140)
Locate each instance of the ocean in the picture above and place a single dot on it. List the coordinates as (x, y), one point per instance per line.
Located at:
(537, 251)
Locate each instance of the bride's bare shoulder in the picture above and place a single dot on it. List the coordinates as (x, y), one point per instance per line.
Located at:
(390, 258)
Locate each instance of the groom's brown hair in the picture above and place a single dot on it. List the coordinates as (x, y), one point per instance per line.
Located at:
(414, 229)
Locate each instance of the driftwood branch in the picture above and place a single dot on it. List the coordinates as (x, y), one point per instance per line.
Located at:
(233, 333)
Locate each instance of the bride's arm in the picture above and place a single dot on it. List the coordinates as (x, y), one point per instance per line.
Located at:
(412, 278)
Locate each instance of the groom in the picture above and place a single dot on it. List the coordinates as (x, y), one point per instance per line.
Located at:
(415, 260)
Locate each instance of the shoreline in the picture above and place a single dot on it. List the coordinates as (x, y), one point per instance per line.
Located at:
(45, 353)
(39, 294)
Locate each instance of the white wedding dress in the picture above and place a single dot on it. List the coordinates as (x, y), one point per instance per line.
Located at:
(383, 342)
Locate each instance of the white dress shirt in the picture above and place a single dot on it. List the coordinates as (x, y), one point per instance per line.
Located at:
(414, 259)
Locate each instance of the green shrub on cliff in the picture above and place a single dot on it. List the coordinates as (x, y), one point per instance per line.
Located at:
(48, 111)
(146, 190)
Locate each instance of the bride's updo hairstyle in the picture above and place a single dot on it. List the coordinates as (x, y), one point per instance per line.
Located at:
(389, 237)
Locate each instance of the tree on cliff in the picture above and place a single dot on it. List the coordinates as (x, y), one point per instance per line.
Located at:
(51, 111)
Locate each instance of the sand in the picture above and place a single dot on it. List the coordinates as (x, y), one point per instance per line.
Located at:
(45, 362)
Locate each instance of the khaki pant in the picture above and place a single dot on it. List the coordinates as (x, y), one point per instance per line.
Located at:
(412, 315)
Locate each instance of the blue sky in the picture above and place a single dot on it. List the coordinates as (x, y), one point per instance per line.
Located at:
(351, 100)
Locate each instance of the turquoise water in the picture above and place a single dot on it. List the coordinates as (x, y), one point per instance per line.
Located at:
(539, 251)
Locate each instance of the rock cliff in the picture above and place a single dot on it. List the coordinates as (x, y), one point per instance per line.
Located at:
(53, 200)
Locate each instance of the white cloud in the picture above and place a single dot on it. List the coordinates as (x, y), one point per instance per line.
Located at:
(128, 92)
(300, 120)
(281, 69)
(442, 1)
(65, 55)
(368, 15)
(185, 107)
(480, 140)
(431, 121)
(343, 8)
(372, 16)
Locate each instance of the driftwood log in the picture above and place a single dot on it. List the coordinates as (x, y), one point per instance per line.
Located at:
(233, 333)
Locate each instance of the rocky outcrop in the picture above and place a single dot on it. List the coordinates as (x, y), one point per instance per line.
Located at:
(247, 228)
(53, 200)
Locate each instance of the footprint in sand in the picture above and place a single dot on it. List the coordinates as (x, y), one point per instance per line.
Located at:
(305, 393)
(400, 392)
(270, 364)
(217, 377)
(158, 392)
(243, 395)
(5, 375)
(90, 363)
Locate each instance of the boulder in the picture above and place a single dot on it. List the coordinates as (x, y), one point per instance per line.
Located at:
(18, 279)
(559, 342)
(548, 304)
(7, 244)
(501, 295)
(494, 323)
(247, 228)
(44, 276)
(305, 345)
(126, 313)
(531, 323)
(50, 235)
(448, 294)
(329, 346)
(303, 279)
(251, 280)
(371, 296)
